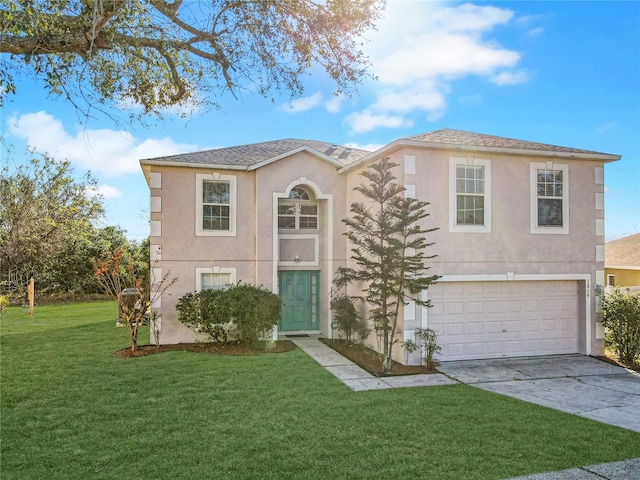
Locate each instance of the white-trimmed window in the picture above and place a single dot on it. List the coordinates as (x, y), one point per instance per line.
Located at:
(549, 198)
(469, 195)
(215, 204)
(214, 278)
(299, 211)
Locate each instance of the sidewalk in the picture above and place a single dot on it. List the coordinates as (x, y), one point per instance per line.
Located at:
(625, 470)
(358, 379)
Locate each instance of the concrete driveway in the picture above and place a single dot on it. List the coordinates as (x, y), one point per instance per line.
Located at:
(574, 384)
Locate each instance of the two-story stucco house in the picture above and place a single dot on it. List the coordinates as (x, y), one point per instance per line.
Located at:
(520, 244)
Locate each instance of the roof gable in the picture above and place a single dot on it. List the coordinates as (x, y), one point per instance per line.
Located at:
(448, 136)
(255, 155)
(450, 139)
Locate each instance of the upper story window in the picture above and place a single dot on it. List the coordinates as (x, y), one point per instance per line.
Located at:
(549, 198)
(215, 204)
(299, 211)
(469, 195)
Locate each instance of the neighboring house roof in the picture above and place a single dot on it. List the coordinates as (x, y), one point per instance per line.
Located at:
(624, 252)
(467, 141)
(256, 154)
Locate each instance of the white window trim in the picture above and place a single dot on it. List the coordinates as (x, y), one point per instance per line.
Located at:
(533, 210)
(478, 162)
(214, 269)
(200, 178)
(327, 236)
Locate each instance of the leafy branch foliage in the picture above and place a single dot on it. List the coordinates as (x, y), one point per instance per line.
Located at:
(117, 270)
(387, 233)
(46, 213)
(159, 53)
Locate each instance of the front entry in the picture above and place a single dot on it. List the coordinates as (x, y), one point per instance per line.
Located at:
(299, 292)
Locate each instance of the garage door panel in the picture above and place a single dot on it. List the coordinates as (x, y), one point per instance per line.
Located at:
(495, 319)
(493, 307)
(531, 326)
(475, 348)
(494, 327)
(475, 328)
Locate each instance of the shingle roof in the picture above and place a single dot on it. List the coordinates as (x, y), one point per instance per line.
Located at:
(248, 155)
(462, 138)
(624, 252)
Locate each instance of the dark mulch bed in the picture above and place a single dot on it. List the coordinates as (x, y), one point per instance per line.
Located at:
(230, 348)
(614, 360)
(370, 360)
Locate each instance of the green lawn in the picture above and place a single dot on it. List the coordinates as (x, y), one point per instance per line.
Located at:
(70, 409)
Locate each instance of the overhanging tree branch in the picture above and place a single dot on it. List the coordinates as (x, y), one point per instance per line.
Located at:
(104, 46)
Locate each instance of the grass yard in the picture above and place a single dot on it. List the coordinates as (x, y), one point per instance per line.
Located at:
(71, 409)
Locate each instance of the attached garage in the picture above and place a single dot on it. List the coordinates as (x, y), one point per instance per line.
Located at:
(492, 319)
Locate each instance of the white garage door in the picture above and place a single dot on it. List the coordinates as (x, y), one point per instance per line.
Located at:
(504, 319)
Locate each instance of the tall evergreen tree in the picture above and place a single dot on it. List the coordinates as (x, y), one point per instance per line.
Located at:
(387, 232)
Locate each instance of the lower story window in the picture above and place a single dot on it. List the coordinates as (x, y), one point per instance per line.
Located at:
(214, 281)
(214, 278)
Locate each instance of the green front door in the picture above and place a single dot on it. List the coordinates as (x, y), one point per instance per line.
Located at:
(299, 293)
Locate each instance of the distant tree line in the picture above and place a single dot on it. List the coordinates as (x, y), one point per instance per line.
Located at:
(49, 229)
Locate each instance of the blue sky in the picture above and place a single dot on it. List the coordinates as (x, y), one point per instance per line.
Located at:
(564, 73)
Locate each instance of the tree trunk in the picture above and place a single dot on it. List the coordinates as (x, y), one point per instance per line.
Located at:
(133, 334)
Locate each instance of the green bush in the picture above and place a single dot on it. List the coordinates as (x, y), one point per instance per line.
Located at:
(244, 312)
(206, 312)
(254, 311)
(344, 314)
(621, 317)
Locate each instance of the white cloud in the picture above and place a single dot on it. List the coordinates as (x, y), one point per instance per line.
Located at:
(421, 48)
(303, 104)
(107, 191)
(106, 151)
(536, 31)
(334, 105)
(367, 120)
(509, 78)
(371, 147)
(606, 127)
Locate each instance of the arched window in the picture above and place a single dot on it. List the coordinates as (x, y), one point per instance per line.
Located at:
(299, 193)
(299, 211)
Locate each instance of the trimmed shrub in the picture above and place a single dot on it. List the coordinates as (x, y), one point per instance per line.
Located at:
(253, 310)
(244, 311)
(621, 317)
(205, 312)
